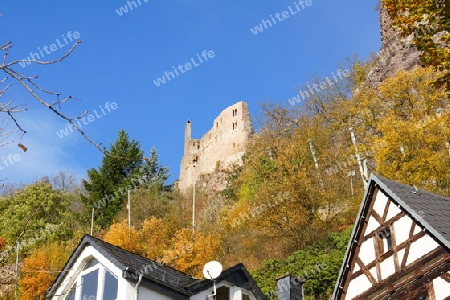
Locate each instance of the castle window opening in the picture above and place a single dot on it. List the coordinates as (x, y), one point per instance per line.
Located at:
(234, 125)
(234, 112)
(217, 124)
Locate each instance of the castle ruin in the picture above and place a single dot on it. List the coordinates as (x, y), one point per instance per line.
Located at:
(221, 146)
(396, 53)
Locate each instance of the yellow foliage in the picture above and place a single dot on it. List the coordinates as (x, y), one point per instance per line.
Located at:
(120, 235)
(415, 129)
(155, 237)
(429, 22)
(191, 250)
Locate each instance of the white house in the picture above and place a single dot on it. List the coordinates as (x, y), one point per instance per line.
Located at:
(98, 270)
(400, 246)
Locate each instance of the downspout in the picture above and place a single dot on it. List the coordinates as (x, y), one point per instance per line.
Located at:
(137, 286)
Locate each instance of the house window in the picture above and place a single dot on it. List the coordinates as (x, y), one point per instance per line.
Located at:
(71, 294)
(111, 286)
(223, 293)
(89, 285)
(93, 281)
(385, 240)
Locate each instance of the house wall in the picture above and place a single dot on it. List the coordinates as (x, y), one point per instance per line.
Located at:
(146, 293)
(383, 267)
(235, 292)
(441, 287)
(88, 254)
(223, 145)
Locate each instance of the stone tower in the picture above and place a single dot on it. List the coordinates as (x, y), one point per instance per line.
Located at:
(221, 146)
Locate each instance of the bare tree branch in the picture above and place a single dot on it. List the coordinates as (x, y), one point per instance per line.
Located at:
(28, 82)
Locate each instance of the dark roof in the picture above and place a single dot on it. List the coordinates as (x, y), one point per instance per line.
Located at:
(431, 211)
(132, 265)
(136, 263)
(237, 275)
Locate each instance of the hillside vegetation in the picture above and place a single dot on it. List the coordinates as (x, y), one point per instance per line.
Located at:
(283, 211)
(288, 208)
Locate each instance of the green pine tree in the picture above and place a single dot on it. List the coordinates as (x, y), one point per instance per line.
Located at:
(107, 186)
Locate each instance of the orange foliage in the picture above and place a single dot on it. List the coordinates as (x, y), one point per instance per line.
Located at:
(40, 270)
(2, 243)
(159, 240)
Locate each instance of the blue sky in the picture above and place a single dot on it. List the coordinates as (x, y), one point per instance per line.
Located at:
(121, 56)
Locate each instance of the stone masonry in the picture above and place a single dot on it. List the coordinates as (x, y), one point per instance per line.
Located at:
(396, 53)
(223, 145)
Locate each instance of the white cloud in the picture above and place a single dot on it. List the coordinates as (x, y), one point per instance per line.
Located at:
(45, 154)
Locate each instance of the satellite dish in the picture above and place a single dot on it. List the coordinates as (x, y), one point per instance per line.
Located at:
(212, 270)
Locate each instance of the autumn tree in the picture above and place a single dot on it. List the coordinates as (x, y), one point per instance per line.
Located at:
(191, 250)
(128, 238)
(429, 23)
(40, 269)
(414, 129)
(150, 239)
(293, 186)
(34, 215)
(157, 235)
(283, 197)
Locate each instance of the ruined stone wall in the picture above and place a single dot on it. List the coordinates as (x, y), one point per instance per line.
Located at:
(396, 53)
(223, 145)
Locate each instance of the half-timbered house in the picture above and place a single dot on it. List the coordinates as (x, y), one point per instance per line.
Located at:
(400, 245)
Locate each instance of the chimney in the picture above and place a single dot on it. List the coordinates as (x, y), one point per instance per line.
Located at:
(289, 288)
